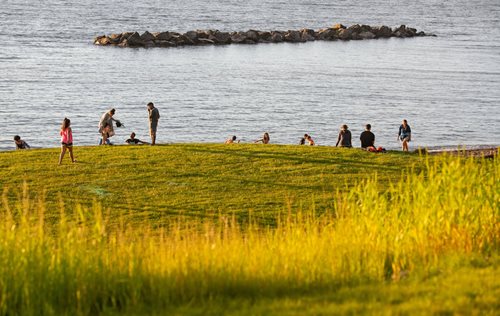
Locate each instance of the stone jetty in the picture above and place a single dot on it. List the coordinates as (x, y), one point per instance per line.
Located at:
(215, 37)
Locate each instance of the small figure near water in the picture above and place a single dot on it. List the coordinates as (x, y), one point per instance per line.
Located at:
(154, 116)
(307, 138)
(345, 137)
(310, 140)
(106, 127)
(66, 140)
(134, 141)
(367, 137)
(20, 144)
(303, 140)
(232, 140)
(265, 139)
(404, 134)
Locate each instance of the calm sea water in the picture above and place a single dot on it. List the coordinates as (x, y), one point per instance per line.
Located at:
(448, 87)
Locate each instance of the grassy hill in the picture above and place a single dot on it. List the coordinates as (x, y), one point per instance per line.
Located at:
(247, 230)
(143, 182)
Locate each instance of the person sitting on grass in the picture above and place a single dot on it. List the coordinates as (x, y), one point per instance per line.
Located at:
(265, 139)
(66, 140)
(20, 144)
(367, 138)
(344, 138)
(134, 141)
(232, 140)
(303, 140)
(310, 140)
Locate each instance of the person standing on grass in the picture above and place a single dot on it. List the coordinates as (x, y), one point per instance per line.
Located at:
(345, 137)
(154, 116)
(106, 127)
(404, 134)
(367, 138)
(66, 140)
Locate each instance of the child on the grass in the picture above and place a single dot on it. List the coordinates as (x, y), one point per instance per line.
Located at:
(20, 144)
(66, 140)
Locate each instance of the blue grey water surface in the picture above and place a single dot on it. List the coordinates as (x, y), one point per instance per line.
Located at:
(448, 87)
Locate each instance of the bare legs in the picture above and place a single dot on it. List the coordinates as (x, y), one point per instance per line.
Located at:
(63, 152)
(104, 138)
(405, 144)
(152, 133)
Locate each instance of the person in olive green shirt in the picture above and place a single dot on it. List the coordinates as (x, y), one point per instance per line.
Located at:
(154, 116)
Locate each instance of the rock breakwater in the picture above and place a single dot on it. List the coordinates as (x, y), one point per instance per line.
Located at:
(215, 37)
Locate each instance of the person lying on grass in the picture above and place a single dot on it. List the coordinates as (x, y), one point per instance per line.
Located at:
(134, 141)
(232, 140)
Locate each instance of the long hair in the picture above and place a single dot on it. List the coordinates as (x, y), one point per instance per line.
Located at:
(65, 124)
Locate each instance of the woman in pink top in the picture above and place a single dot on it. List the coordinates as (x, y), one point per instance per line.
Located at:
(66, 140)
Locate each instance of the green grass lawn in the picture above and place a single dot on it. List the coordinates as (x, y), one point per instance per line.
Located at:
(200, 229)
(151, 183)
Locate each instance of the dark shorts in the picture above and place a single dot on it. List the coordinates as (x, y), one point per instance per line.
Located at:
(67, 144)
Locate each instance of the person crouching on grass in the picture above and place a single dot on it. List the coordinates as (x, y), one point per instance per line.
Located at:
(20, 144)
(66, 140)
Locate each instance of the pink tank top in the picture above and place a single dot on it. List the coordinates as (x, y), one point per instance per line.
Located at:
(66, 136)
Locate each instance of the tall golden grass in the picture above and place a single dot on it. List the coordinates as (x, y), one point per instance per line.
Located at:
(436, 219)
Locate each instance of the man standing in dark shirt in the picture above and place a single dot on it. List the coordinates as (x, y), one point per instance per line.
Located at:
(154, 116)
(367, 137)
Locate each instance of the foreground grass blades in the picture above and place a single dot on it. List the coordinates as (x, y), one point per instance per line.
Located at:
(428, 242)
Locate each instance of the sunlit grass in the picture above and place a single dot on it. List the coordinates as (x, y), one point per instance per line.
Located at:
(429, 242)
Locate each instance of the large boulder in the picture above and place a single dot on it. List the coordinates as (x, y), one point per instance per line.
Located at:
(203, 34)
(401, 31)
(411, 32)
(366, 35)
(276, 37)
(328, 34)
(192, 37)
(146, 37)
(125, 36)
(101, 40)
(355, 30)
(238, 37)
(307, 35)
(135, 40)
(162, 36)
(265, 37)
(115, 38)
(366, 28)
(382, 31)
(220, 38)
(252, 35)
(293, 36)
(345, 34)
(181, 40)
